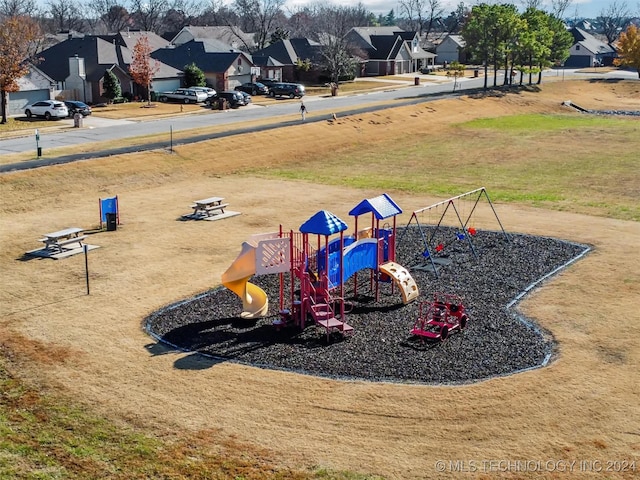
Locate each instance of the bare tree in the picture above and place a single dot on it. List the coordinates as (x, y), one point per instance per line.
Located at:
(147, 15)
(65, 14)
(111, 15)
(559, 7)
(17, 8)
(260, 17)
(182, 13)
(614, 19)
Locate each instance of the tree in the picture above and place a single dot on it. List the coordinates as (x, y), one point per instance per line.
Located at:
(65, 14)
(110, 13)
(194, 76)
(477, 33)
(261, 17)
(17, 8)
(111, 86)
(339, 57)
(143, 68)
(559, 7)
(148, 14)
(16, 35)
(613, 19)
(421, 14)
(629, 49)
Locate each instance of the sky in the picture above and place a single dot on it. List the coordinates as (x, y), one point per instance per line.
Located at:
(578, 8)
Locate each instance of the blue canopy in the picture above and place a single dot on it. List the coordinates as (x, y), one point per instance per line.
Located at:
(323, 223)
(382, 207)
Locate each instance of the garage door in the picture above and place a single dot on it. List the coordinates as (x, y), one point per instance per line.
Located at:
(166, 85)
(19, 100)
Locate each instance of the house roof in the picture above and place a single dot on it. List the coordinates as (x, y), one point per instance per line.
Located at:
(265, 61)
(288, 51)
(323, 223)
(384, 46)
(589, 42)
(201, 52)
(382, 207)
(365, 33)
(457, 39)
(100, 53)
(232, 36)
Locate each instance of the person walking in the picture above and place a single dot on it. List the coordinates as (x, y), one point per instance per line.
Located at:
(303, 111)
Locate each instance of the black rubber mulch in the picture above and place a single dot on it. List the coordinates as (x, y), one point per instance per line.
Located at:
(496, 341)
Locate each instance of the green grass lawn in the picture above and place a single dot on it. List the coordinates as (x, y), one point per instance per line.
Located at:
(583, 164)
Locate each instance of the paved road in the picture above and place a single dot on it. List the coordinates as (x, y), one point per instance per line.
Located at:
(101, 130)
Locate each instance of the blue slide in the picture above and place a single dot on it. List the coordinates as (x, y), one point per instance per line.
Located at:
(357, 256)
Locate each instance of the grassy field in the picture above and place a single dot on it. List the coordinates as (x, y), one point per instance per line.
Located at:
(87, 394)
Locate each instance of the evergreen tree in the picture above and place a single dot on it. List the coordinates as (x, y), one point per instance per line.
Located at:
(194, 76)
(111, 86)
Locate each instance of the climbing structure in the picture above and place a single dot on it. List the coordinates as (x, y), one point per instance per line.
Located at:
(320, 259)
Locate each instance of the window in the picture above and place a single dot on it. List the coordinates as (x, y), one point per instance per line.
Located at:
(577, 47)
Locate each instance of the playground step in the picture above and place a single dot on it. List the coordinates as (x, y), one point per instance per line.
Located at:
(335, 323)
(321, 310)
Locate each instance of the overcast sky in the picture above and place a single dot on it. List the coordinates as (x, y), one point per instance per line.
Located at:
(579, 8)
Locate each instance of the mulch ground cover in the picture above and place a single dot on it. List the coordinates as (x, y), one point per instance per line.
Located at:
(491, 278)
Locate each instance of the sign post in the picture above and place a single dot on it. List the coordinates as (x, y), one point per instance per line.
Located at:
(38, 149)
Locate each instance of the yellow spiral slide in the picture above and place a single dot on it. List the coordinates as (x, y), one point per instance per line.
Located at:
(255, 302)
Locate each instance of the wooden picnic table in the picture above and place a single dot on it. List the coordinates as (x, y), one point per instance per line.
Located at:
(209, 206)
(58, 241)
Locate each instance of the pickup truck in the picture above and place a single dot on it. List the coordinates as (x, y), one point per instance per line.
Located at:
(183, 95)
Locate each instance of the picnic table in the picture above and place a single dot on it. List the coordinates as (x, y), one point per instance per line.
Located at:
(62, 239)
(209, 206)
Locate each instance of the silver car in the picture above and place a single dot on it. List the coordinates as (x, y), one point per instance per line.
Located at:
(47, 108)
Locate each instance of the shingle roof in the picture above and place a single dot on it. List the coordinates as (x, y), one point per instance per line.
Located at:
(100, 53)
(202, 53)
(591, 43)
(290, 50)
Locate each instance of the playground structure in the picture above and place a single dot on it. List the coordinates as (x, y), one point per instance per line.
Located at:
(431, 222)
(318, 270)
(440, 317)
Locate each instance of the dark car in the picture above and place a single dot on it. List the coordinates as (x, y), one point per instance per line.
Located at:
(291, 90)
(78, 107)
(234, 99)
(246, 96)
(256, 88)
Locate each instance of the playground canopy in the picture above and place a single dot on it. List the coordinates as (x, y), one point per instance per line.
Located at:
(382, 207)
(323, 223)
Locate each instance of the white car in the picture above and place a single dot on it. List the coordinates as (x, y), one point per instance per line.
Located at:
(185, 95)
(47, 108)
(209, 91)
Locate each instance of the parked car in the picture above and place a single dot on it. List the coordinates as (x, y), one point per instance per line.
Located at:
(234, 99)
(185, 95)
(209, 91)
(256, 88)
(246, 96)
(47, 108)
(77, 107)
(291, 90)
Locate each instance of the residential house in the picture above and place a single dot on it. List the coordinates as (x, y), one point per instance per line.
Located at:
(288, 52)
(452, 49)
(34, 86)
(78, 65)
(588, 51)
(389, 50)
(224, 68)
(270, 68)
(229, 35)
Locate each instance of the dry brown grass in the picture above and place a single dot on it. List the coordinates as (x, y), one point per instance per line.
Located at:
(581, 407)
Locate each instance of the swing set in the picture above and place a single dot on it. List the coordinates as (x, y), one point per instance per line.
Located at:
(433, 223)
